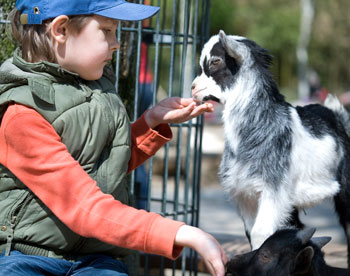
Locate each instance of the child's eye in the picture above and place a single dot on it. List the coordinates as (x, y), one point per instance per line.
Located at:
(107, 30)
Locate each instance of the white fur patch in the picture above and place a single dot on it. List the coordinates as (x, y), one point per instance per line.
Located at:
(207, 48)
(313, 165)
(205, 86)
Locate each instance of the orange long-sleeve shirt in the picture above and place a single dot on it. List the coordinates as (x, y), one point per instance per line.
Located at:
(33, 151)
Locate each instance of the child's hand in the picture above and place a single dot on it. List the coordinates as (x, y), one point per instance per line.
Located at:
(206, 246)
(175, 110)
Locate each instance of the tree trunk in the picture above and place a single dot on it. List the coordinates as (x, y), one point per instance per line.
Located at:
(307, 16)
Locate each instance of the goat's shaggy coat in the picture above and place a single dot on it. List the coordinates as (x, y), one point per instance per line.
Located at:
(278, 158)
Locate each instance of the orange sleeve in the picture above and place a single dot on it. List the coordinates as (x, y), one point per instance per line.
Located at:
(145, 142)
(32, 150)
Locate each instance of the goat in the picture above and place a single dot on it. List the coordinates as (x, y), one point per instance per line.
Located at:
(278, 158)
(288, 252)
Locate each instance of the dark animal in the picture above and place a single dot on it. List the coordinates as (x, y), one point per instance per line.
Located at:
(278, 158)
(288, 252)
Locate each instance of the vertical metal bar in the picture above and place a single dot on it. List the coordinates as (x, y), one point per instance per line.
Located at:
(165, 179)
(156, 60)
(171, 84)
(198, 139)
(172, 52)
(178, 148)
(166, 148)
(200, 125)
(117, 58)
(192, 253)
(138, 61)
(154, 94)
(188, 149)
(178, 171)
(206, 21)
(136, 101)
(154, 99)
(195, 155)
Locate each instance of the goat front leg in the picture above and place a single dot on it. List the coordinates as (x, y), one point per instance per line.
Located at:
(274, 209)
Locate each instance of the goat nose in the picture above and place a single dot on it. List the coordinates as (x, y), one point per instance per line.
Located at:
(193, 86)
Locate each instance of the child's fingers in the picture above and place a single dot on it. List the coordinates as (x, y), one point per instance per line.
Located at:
(206, 106)
(182, 114)
(200, 109)
(219, 268)
(189, 109)
(185, 109)
(216, 263)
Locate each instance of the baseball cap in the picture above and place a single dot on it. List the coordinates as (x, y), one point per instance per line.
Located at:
(36, 11)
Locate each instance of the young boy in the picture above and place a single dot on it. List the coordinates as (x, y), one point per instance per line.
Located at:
(66, 146)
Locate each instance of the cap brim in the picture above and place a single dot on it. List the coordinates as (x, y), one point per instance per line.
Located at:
(129, 12)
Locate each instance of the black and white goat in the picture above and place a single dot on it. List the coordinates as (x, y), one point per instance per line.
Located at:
(288, 252)
(277, 158)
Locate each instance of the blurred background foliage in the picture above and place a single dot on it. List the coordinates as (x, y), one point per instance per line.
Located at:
(6, 44)
(275, 25)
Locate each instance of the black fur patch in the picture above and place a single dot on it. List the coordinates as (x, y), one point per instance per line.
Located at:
(200, 71)
(262, 62)
(318, 119)
(225, 75)
(211, 98)
(260, 55)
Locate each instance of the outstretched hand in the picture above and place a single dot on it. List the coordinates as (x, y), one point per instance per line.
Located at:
(206, 246)
(175, 110)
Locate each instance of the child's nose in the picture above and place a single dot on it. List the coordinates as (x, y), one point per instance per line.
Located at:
(115, 45)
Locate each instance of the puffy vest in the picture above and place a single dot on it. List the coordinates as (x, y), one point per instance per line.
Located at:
(92, 122)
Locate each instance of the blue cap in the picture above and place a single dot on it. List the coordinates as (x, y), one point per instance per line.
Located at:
(36, 11)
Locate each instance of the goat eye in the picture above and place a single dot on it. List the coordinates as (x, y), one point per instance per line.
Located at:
(264, 258)
(215, 61)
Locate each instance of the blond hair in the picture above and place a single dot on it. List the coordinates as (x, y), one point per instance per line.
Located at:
(35, 40)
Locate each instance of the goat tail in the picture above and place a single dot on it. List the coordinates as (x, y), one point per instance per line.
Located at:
(333, 103)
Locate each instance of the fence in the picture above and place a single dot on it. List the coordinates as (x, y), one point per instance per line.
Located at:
(162, 54)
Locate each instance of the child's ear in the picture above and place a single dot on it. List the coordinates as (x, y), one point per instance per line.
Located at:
(58, 28)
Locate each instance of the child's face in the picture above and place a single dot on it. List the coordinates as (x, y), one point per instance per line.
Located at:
(87, 52)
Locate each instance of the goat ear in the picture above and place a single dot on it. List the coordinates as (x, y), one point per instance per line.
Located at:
(321, 241)
(304, 260)
(230, 46)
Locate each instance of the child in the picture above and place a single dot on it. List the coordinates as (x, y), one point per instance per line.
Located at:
(66, 146)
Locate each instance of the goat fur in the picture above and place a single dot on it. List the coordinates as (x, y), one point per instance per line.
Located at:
(278, 158)
(288, 252)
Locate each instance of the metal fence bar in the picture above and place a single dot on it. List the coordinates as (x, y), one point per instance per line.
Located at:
(117, 59)
(193, 255)
(170, 93)
(188, 142)
(154, 99)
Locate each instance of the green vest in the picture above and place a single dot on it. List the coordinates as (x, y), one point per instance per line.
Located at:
(92, 122)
